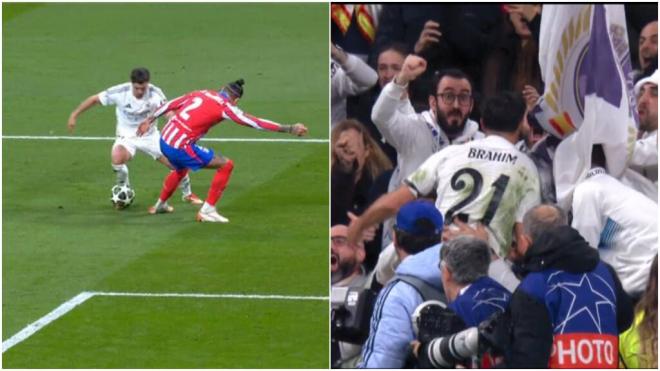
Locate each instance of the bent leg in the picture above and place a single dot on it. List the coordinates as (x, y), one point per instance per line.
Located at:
(224, 168)
(119, 156)
(186, 188)
(171, 182)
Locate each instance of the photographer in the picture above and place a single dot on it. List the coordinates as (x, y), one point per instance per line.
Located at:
(472, 295)
(417, 236)
(566, 313)
(570, 307)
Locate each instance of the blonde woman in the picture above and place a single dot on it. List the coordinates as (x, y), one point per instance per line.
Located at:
(359, 167)
(638, 346)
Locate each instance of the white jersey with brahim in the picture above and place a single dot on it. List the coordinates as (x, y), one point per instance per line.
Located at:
(486, 180)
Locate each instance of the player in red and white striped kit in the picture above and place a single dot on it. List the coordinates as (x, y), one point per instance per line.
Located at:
(196, 113)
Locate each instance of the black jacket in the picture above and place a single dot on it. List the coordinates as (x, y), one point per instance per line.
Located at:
(531, 330)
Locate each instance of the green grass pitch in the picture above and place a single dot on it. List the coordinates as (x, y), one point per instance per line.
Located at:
(61, 236)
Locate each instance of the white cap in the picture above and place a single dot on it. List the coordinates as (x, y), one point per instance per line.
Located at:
(653, 79)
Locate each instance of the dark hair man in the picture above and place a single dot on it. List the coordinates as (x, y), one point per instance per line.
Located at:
(196, 113)
(135, 100)
(485, 181)
(417, 237)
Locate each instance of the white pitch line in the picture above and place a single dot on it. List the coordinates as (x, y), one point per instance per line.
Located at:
(214, 296)
(37, 325)
(256, 140)
(66, 307)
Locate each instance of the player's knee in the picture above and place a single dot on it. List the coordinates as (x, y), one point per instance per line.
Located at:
(120, 158)
(116, 161)
(229, 165)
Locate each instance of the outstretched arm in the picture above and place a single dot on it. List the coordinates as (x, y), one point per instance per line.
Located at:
(235, 114)
(384, 207)
(296, 129)
(84, 106)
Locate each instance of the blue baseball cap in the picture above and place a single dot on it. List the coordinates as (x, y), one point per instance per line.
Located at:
(411, 214)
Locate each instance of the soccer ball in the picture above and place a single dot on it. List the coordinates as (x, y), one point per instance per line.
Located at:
(122, 196)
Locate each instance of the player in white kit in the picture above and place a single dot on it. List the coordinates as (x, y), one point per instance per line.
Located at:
(135, 100)
(485, 181)
(619, 221)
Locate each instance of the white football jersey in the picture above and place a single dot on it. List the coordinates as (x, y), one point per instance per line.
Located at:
(487, 180)
(621, 222)
(131, 111)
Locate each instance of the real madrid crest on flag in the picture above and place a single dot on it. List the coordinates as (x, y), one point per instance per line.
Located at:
(585, 64)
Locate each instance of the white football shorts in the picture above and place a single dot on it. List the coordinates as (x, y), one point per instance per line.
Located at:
(149, 144)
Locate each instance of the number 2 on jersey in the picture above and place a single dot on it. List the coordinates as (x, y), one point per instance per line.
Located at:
(477, 183)
(197, 101)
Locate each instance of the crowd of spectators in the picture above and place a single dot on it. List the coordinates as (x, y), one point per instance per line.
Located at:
(422, 93)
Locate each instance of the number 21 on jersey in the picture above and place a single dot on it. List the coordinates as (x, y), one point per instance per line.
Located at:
(458, 184)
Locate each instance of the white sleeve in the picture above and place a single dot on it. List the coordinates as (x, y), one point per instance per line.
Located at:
(393, 118)
(587, 216)
(360, 74)
(646, 151)
(112, 94)
(354, 77)
(423, 181)
(159, 95)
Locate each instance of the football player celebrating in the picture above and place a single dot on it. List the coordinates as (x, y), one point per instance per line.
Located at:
(196, 113)
(485, 182)
(135, 100)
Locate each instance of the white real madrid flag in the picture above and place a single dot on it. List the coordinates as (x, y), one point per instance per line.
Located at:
(588, 99)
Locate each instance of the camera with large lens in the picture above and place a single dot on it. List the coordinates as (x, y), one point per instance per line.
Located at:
(433, 319)
(350, 314)
(446, 344)
(448, 351)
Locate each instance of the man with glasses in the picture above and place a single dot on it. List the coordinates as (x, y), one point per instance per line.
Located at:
(346, 271)
(346, 261)
(416, 136)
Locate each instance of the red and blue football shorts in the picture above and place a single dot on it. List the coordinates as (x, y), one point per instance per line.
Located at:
(190, 156)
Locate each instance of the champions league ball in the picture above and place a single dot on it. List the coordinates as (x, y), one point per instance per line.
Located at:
(122, 196)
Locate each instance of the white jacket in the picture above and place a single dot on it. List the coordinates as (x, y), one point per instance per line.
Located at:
(351, 78)
(415, 136)
(645, 156)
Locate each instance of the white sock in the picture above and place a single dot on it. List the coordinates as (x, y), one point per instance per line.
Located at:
(185, 186)
(159, 203)
(122, 173)
(207, 208)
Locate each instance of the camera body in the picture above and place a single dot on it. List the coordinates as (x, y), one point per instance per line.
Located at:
(433, 319)
(350, 314)
(446, 341)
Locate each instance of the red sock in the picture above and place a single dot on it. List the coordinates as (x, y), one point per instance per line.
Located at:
(219, 183)
(171, 182)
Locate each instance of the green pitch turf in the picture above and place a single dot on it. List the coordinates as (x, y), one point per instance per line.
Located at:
(60, 235)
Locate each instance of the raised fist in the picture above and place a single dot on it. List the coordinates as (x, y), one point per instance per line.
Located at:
(413, 66)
